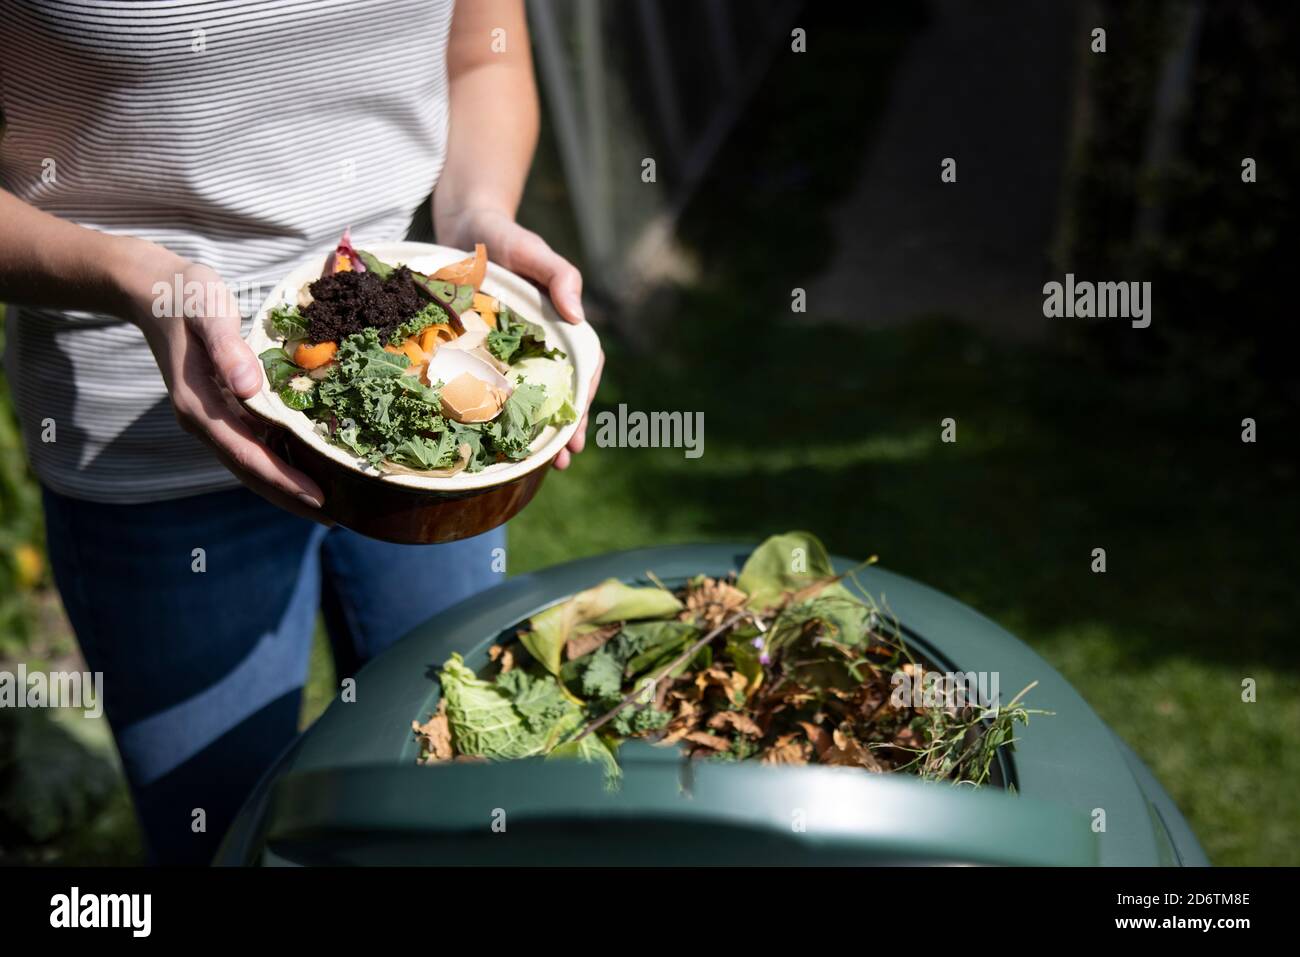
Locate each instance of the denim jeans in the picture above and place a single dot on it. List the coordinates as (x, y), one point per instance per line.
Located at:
(204, 653)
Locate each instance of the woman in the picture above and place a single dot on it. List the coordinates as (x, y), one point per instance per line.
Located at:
(172, 142)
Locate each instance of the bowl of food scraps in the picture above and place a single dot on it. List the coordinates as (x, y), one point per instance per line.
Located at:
(425, 390)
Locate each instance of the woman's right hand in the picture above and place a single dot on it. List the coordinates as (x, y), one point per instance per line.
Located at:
(205, 362)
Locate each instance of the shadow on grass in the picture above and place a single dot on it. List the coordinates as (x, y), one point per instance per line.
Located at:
(840, 432)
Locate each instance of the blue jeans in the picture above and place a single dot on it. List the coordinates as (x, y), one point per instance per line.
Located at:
(204, 654)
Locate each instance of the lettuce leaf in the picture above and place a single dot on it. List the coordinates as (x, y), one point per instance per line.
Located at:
(556, 377)
(592, 748)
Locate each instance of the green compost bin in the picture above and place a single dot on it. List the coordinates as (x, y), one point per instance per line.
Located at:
(349, 790)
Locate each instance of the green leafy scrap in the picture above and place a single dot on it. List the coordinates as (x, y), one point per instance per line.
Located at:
(609, 601)
(515, 339)
(518, 715)
(378, 411)
(484, 720)
(784, 566)
(432, 314)
(287, 322)
(279, 366)
(374, 264)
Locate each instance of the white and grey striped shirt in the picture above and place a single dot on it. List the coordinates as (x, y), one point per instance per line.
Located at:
(241, 134)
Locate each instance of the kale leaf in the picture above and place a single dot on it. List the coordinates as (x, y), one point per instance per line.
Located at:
(431, 315)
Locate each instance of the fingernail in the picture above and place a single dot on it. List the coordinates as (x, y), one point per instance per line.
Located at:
(575, 308)
(311, 501)
(246, 377)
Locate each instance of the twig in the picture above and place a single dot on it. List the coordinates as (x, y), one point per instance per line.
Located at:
(641, 689)
(812, 589)
(655, 578)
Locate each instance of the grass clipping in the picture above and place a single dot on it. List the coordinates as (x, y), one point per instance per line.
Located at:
(783, 664)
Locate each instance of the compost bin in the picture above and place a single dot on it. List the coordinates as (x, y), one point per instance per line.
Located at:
(350, 791)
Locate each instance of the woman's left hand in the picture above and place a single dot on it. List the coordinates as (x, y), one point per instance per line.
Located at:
(526, 254)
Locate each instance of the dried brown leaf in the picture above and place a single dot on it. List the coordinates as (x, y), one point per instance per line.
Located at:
(675, 734)
(788, 749)
(733, 683)
(735, 721)
(435, 735)
(709, 740)
(818, 737)
(587, 642)
(908, 738)
(849, 752)
(711, 602)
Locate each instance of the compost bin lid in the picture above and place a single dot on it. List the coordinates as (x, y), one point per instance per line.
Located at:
(670, 811)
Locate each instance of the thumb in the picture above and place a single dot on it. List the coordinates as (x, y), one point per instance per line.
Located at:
(539, 262)
(237, 368)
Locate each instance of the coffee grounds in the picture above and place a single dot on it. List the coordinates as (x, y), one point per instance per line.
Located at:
(348, 302)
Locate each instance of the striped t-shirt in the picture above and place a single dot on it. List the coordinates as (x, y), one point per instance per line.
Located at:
(241, 134)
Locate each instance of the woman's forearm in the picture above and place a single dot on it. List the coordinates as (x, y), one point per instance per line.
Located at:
(50, 263)
(494, 113)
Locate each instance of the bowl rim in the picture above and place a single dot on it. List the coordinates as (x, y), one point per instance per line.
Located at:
(579, 342)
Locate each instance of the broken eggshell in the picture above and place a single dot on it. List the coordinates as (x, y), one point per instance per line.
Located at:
(472, 390)
(475, 334)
